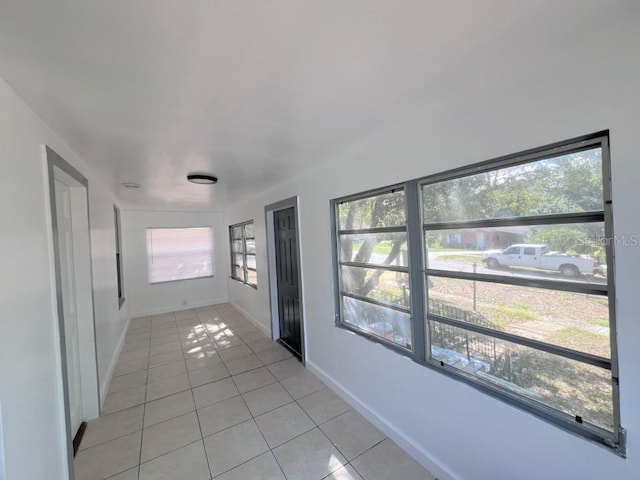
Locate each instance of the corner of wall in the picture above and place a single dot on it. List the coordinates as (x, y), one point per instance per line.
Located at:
(252, 319)
(106, 381)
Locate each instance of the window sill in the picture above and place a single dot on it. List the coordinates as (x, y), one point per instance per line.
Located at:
(181, 280)
(255, 287)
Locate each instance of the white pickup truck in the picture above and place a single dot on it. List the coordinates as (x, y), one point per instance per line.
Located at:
(539, 256)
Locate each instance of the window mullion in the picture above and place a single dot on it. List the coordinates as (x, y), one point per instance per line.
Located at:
(245, 273)
(416, 279)
(610, 255)
(563, 218)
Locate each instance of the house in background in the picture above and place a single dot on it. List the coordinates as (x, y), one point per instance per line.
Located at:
(292, 104)
(484, 239)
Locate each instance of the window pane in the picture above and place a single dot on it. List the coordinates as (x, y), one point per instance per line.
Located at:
(565, 385)
(383, 322)
(179, 253)
(239, 273)
(252, 277)
(381, 285)
(237, 246)
(570, 320)
(385, 210)
(251, 246)
(565, 184)
(552, 252)
(243, 249)
(376, 248)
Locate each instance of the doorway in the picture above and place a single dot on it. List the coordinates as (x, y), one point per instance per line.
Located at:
(68, 194)
(285, 275)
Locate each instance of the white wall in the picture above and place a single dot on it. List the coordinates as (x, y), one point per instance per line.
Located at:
(585, 84)
(110, 319)
(3, 474)
(145, 298)
(30, 374)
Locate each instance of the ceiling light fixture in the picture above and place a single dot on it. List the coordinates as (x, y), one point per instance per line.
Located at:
(130, 185)
(202, 178)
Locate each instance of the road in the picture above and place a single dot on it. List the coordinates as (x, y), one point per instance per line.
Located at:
(437, 261)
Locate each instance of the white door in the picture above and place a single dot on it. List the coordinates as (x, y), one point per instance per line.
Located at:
(69, 304)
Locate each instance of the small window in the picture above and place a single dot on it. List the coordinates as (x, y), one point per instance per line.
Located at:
(119, 275)
(529, 251)
(243, 253)
(179, 253)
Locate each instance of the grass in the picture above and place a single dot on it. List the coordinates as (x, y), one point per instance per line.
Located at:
(470, 258)
(566, 385)
(383, 247)
(516, 313)
(576, 334)
(602, 321)
(583, 340)
(499, 323)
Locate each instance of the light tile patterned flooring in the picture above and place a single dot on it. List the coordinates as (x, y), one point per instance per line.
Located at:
(202, 393)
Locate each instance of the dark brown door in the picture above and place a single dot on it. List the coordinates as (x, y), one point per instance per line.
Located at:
(287, 274)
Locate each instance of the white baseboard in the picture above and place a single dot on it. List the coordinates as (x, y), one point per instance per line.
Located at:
(250, 317)
(387, 428)
(106, 382)
(178, 308)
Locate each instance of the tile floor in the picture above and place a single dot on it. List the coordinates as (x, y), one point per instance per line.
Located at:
(202, 393)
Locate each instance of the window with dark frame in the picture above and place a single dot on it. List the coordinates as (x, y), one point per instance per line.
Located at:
(243, 253)
(517, 292)
(373, 272)
(119, 274)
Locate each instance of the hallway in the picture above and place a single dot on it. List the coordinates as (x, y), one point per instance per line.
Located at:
(202, 393)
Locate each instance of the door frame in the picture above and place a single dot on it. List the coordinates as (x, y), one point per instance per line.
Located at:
(58, 168)
(269, 211)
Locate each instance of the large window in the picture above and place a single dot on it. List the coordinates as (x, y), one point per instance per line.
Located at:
(243, 253)
(179, 253)
(516, 295)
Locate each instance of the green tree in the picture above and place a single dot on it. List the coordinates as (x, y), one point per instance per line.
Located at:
(386, 210)
(566, 184)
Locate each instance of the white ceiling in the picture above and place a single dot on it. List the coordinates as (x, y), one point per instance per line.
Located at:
(251, 90)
